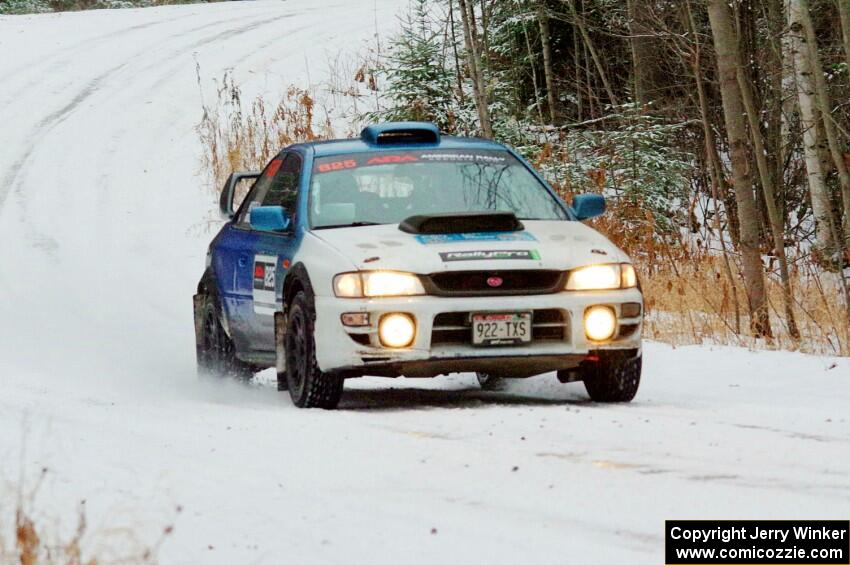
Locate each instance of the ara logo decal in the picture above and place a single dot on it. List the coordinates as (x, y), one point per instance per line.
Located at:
(386, 159)
(491, 255)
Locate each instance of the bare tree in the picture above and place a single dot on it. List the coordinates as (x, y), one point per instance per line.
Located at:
(715, 169)
(825, 107)
(726, 47)
(533, 74)
(551, 93)
(579, 21)
(473, 57)
(454, 51)
(777, 225)
(821, 207)
(644, 49)
(844, 14)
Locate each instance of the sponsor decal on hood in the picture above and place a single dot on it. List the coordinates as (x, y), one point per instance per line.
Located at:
(490, 255)
(483, 236)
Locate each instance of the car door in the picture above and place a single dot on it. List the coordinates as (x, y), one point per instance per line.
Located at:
(271, 254)
(233, 253)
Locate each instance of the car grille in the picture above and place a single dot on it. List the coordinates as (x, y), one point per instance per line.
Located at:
(455, 328)
(513, 282)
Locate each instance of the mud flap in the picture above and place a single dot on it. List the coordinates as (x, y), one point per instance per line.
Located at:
(198, 303)
(279, 334)
(569, 375)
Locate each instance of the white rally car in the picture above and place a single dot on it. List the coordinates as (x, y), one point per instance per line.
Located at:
(409, 253)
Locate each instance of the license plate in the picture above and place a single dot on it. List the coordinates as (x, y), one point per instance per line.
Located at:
(501, 328)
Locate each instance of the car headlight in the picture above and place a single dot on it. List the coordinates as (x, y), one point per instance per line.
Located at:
(369, 284)
(603, 277)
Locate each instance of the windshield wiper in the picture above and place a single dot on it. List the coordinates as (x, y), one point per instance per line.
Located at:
(351, 225)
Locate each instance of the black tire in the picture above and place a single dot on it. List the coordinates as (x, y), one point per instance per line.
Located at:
(308, 386)
(216, 354)
(614, 378)
(489, 382)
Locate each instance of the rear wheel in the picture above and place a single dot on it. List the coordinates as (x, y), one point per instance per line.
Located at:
(216, 354)
(308, 385)
(614, 378)
(490, 382)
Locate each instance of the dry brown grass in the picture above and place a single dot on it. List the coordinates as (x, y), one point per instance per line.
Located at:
(239, 136)
(690, 297)
(33, 538)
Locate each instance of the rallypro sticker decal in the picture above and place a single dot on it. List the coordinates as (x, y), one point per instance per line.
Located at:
(490, 255)
(488, 236)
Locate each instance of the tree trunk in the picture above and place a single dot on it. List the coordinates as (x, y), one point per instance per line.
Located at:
(533, 75)
(454, 50)
(821, 207)
(715, 170)
(726, 45)
(485, 25)
(844, 13)
(825, 107)
(644, 50)
(577, 65)
(551, 93)
(473, 58)
(593, 54)
(777, 225)
(773, 102)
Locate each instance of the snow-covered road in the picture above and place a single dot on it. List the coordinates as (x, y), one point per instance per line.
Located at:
(102, 238)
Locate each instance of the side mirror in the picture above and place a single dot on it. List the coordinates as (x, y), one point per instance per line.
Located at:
(270, 218)
(225, 203)
(586, 206)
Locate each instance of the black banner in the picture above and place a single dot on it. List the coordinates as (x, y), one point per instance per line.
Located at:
(757, 542)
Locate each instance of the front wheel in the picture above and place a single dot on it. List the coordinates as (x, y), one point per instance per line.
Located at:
(614, 378)
(308, 386)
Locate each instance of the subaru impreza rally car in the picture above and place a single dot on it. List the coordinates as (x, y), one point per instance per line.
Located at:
(409, 253)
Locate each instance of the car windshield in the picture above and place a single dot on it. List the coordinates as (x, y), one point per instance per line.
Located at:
(388, 186)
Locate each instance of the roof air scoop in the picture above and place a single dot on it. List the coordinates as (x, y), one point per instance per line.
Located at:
(470, 222)
(401, 133)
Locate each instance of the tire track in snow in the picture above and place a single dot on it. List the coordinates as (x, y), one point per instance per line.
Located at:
(12, 179)
(67, 53)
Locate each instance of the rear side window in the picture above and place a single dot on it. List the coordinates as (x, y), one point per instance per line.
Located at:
(283, 190)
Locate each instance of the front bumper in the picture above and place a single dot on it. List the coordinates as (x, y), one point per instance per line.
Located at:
(357, 351)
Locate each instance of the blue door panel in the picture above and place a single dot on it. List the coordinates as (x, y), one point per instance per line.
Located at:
(250, 265)
(232, 261)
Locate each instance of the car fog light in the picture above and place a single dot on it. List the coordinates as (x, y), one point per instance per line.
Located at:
(599, 323)
(396, 330)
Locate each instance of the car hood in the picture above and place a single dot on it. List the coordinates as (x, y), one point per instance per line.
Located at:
(560, 245)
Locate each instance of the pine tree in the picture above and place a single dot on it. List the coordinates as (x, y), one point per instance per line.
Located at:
(420, 78)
